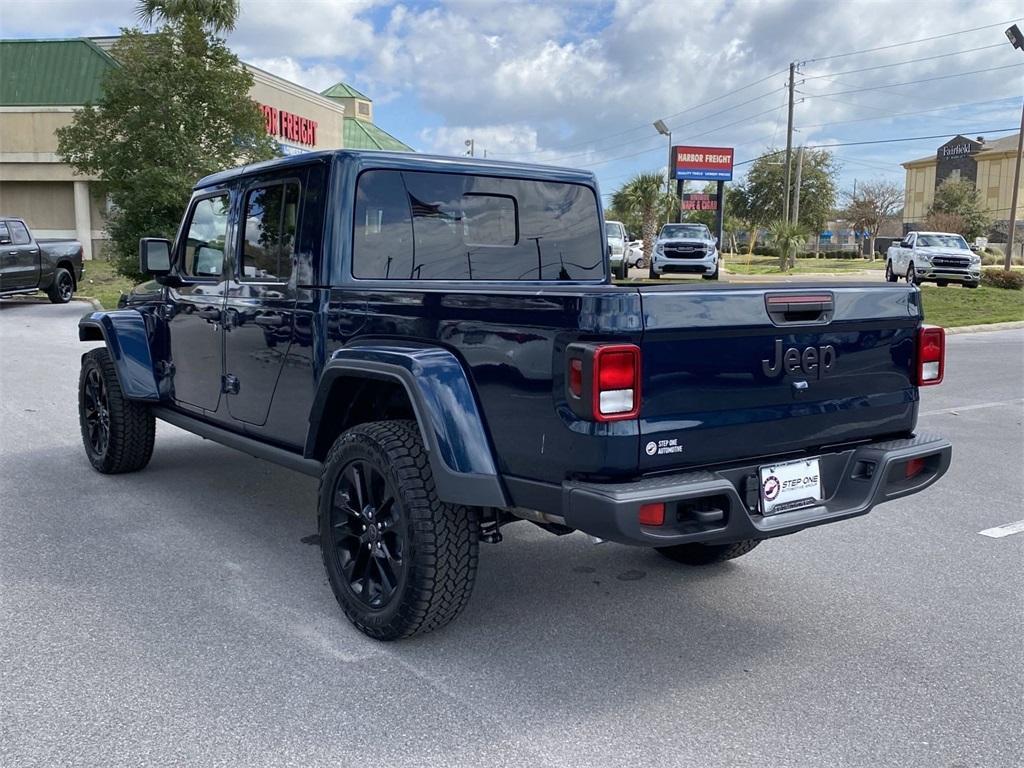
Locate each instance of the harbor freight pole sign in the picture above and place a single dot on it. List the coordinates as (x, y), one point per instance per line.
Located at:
(703, 163)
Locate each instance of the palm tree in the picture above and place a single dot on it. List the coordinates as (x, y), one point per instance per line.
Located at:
(788, 237)
(644, 196)
(218, 15)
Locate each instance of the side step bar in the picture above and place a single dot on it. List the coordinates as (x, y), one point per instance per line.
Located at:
(239, 442)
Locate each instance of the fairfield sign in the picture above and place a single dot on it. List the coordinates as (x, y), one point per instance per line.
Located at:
(703, 163)
(286, 125)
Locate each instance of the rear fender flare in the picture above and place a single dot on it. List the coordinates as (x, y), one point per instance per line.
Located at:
(127, 339)
(446, 410)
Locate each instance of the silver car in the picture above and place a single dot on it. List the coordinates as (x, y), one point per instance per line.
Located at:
(615, 233)
(685, 249)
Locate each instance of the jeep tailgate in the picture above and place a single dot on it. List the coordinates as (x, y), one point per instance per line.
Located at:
(740, 372)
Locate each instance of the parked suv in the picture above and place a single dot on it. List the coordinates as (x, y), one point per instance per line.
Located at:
(687, 249)
(439, 342)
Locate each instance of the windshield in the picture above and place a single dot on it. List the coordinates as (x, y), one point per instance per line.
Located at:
(613, 231)
(685, 230)
(942, 241)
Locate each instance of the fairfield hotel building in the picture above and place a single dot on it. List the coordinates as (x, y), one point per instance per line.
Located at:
(986, 163)
(44, 82)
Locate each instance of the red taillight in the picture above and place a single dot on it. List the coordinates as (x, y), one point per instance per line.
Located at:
(931, 355)
(616, 382)
(603, 381)
(652, 514)
(913, 468)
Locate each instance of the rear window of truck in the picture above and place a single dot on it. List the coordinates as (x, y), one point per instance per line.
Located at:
(441, 226)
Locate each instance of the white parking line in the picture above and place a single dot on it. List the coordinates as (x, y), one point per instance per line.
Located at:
(1004, 530)
(974, 407)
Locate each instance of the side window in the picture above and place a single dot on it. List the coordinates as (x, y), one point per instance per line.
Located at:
(19, 235)
(5, 233)
(382, 240)
(268, 241)
(441, 226)
(207, 234)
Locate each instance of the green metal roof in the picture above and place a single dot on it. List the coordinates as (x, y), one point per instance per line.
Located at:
(344, 91)
(51, 72)
(360, 134)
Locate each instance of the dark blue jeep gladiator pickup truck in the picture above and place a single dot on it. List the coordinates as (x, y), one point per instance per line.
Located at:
(439, 341)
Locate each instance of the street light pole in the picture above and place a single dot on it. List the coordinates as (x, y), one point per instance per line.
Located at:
(663, 129)
(471, 143)
(1016, 38)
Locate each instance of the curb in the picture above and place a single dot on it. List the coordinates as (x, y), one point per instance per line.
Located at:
(87, 300)
(983, 328)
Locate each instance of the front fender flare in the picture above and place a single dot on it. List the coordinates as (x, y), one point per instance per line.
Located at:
(127, 338)
(446, 410)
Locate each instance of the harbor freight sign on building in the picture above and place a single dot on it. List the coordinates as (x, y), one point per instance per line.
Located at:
(703, 163)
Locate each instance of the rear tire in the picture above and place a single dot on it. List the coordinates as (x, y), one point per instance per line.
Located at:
(707, 554)
(400, 561)
(890, 276)
(117, 433)
(641, 263)
(63, 288)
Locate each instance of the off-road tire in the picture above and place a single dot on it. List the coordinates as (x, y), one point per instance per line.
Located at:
(131, 428)
(439, 550)
(708, 554)
(890, 276)
(63, 288)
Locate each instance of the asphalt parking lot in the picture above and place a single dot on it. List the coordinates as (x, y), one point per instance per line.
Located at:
(180, 616)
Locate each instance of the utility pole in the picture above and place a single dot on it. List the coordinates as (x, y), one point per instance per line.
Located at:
(789, 142)
(796, 186)
(1013, 195)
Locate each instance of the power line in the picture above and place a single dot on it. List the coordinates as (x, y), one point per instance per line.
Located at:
(908, 61)
(909, 42)
(911, 82)
(885, 113)
(646, 126)
(891, 140)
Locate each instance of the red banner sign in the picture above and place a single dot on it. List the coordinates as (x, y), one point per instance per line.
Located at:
(703, 163)
(289, 126)
(699, 202)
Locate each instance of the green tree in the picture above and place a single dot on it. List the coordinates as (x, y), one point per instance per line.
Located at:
(218, 16)
(644, 196)
(958, 196)
(764, 183)
(788, 238)
(873, 204)
(176, 108)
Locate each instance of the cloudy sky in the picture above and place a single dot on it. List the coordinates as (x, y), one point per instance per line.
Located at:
(579, 83)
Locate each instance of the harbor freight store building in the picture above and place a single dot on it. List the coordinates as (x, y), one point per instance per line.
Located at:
(44, 82)
(988, 164)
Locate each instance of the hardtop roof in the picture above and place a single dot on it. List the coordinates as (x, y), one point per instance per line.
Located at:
(406, 161)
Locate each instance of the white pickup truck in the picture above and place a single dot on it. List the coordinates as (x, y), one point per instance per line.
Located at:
(938, 257)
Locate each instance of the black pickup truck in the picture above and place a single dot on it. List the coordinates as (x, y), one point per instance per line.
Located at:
(28, 265)
(439, 341)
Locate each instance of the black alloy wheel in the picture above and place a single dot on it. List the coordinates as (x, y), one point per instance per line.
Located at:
(63, 287)
(368, 534)
(96, 414)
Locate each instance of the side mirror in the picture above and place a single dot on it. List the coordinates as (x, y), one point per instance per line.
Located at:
(154, 256)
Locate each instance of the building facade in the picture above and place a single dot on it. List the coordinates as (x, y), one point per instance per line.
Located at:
(44, 82)
(989, 165)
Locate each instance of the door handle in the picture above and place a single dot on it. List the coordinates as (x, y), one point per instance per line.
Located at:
(269, 321)
(209, 313)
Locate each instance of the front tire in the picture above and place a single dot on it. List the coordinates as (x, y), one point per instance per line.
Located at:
(63, 288)
(942, 283)
(400, 561)
(911, 275)
(707, 554)
(972, 284)
(117, 433)
(713, 275)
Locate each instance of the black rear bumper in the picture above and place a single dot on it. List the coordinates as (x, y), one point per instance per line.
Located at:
(722, 506)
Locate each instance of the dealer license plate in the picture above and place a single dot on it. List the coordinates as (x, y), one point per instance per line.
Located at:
(789, 486)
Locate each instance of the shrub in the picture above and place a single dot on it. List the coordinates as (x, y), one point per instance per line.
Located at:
(1000, 278)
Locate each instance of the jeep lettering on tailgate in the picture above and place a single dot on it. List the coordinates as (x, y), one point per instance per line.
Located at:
(812, 361)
